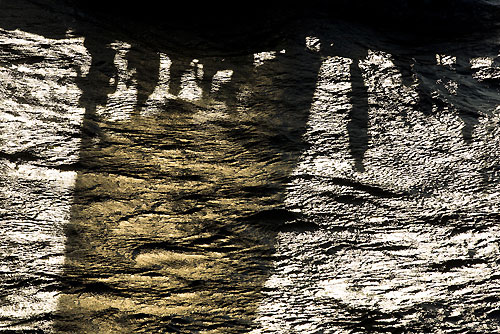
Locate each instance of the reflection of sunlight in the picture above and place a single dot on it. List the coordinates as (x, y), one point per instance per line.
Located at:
(313, 43)
(481, 62)
(484, 69)
(161, 93)
(190, 89)
(446, 60)
(392, 267)
(328, 116)
(418, 162)
(396, 288)
(327, 119)
(220, 78)
(39, 119)
(42, 229)
(261, 57)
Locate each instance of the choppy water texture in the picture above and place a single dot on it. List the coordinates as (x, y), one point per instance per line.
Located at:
(329, 176)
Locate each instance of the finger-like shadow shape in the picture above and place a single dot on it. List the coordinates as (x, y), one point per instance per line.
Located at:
(414, 33)
(174, 215)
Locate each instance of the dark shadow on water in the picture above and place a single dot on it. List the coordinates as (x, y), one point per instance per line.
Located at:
(414, 33)
(358, 124)
(162, 236)
(175, 214)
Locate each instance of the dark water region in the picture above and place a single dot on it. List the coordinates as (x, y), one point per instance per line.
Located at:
(319, 173)
(161, 235)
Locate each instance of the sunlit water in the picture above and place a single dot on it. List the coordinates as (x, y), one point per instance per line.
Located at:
(343, 181)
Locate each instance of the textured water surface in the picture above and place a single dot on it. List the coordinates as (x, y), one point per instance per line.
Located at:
(330, 176)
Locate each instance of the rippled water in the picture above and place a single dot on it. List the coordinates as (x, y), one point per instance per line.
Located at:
(329, 176)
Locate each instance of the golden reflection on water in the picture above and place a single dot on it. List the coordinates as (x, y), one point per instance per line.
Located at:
(156, 238)
(159, 239)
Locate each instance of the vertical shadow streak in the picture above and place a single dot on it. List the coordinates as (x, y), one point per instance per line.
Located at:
(470, 117)
(163, 232)
(146, 64)
(199, 196)
(358, 123)
(179, 66)
(95, 86)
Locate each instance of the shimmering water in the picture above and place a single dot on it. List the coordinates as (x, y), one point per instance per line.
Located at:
(320, 175)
